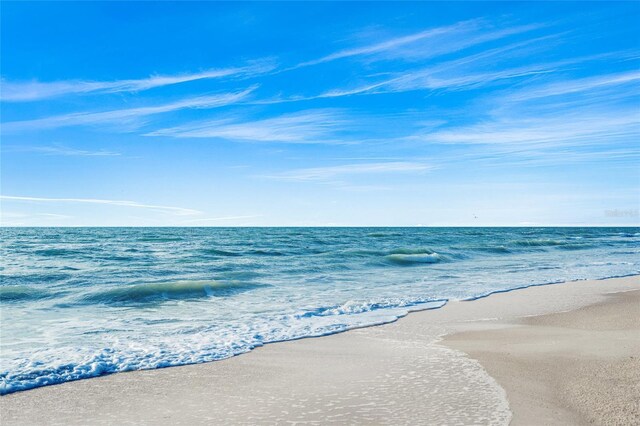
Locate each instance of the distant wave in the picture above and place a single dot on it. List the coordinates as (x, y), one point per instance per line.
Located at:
(263, 252)
(219, 252)
(156, 239)
(571, 244)
(168, 290)
(253, 252)
(410, 259)
(58, 252)
(412, 250)
(382, 234)
(538, 243)
(29, 278)
(491, 249)
(629, 234)
(576, 246)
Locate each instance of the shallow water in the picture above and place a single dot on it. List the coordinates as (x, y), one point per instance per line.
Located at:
(82, 302)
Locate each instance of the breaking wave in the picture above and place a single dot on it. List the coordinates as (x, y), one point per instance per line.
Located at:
(168, 290)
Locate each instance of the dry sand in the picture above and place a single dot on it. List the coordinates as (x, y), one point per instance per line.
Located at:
(577, 367)
(574, 367)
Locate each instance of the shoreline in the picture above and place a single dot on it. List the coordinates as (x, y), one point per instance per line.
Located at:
(355, 376)
(393, 317)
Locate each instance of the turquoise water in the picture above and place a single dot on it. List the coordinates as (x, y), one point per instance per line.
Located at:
(82, 302)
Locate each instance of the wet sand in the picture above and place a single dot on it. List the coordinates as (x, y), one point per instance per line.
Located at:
(560, 368)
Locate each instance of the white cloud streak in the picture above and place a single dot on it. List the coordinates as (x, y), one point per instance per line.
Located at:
(468, 72)
(567, 129)
(62, 151)
(429, 80)
(331, 172)
(390, 44)
(34, 91)
(128, 117)
(177, 211)
(459, 74)
(427, 43)
(575, 86)
(311, 126)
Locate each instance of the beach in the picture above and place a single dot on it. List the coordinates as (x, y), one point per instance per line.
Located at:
(382, 213)
(554, 354)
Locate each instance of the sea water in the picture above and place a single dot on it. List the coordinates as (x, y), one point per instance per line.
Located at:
(82, 302)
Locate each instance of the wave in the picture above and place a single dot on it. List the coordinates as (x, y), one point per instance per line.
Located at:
(353, 253)
(629, 234)
(58, 252)
(29, 278)
(576, 246)
(119, 258)
(150, 292)
(150, 239)
(413, 250)
(263, 252)
(573, 244)
(494, 249)
(15, 293)
(411, 259)
(377, 234)
(354, 307)
(538, 243)
(218, 252)
(383, 234)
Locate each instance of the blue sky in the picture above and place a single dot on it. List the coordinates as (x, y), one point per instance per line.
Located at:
(315, 114)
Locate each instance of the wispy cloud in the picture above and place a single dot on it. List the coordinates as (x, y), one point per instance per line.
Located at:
(310, 126)
(177, 211)
(391, 43)
(565, 113)
(61, 150)
(562, 156)
(574, 86)
(427, 43)
(567, 129)
(126, 118)
(34, 90)
(332, 172)
(462, 73)
(427, 79)
(470, 71)
(575, 120)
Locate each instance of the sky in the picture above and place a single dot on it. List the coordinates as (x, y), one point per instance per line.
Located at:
(320, 114)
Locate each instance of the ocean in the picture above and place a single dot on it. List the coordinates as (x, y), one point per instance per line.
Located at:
(77, 303)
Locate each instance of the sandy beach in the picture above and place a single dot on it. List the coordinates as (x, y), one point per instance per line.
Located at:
(319, 213)
(576, 367)
(554, 354)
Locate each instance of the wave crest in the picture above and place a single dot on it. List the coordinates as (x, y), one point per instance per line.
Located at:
(150, 292)
(538, 243)
(410, 259)
(16, 293)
